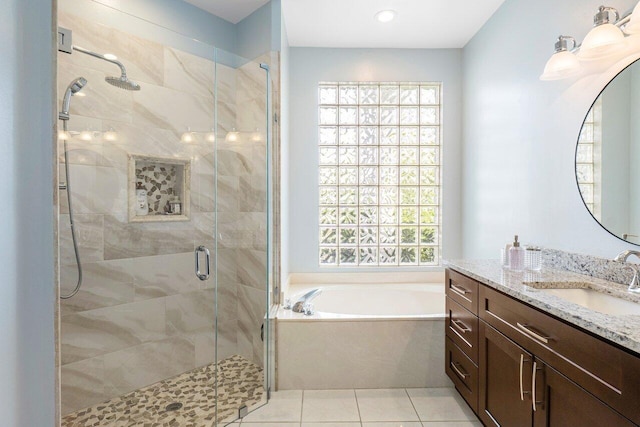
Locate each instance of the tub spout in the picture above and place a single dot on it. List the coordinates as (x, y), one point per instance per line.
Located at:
(299, 305)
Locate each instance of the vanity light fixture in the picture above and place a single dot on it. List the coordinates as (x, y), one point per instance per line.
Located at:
(385, 16)
(606, 38)
(187, 137)
(562, 63)
(64, 135)
(86, 135)
(256, 136)
(111, 135)
(232, 136)
(210, 136)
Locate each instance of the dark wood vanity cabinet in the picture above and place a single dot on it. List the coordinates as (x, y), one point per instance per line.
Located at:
(517, 366)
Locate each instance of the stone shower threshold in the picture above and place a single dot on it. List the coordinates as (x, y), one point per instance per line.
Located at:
(240, 382)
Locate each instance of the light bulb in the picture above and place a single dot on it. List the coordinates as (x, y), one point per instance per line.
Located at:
(187, 137)
(64, 135)
(79, 94)
(110, 56)
(210, 136)
(86, 135)
(110, 135)
(232, 136)
(604, 39)
(385, 16)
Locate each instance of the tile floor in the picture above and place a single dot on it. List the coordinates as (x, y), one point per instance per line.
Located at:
(429, 407)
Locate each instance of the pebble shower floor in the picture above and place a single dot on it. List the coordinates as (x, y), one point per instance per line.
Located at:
(240, 382)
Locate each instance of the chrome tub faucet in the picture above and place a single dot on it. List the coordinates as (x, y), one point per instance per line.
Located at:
(303, 302)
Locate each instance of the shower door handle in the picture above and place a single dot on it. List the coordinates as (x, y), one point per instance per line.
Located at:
(207, 257)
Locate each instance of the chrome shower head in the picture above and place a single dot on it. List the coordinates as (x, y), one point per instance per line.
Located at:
(74, 87)
(122, 82)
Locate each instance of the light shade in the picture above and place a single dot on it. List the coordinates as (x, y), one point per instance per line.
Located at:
(602, 41)
(86, 135)
(232, 136)
(110, 135)
(561, 65)
(633, 26)
(187, 137)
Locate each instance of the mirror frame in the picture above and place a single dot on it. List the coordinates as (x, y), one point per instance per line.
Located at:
(575, 156)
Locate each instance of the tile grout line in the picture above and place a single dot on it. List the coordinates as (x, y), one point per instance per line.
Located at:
(301, 407)
(414, 407)
(358, 406)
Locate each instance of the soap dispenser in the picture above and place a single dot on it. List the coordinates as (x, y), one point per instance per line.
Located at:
(516, 255)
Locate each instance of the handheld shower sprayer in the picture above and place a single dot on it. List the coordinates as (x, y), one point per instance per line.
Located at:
(73, 88)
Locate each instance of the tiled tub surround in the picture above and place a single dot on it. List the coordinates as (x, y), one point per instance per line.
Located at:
(239, 382)
(623, 330)
(141, 315)
(343, 351)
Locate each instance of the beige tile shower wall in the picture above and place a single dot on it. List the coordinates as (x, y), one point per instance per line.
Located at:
(142, 315)
(252, 204)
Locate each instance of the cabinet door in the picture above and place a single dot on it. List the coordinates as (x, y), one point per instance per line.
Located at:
(505, 381)
(562, 403)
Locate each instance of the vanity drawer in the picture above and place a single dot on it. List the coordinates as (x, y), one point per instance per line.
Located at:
(462, 328)
(462, 290)
(463, 372)
(604, 370)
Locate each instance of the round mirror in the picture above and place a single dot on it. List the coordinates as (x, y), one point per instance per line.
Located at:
(608, 156)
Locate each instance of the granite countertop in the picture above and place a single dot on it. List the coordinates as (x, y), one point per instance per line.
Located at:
(525, 286)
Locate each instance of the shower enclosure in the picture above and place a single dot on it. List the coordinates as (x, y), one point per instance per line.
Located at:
(153, 175)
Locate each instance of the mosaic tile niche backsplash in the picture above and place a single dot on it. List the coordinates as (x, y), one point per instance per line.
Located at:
(161, 182)
(141, 315)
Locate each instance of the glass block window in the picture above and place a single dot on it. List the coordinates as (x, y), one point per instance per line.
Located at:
(588, 156)
(379, 174)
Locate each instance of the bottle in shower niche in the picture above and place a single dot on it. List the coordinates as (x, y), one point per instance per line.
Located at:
(142, 205)
(516, 255)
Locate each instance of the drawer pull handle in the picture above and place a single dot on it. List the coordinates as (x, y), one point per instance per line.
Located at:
(535, 335)
(459, 324)
(459, 370)
(533, 386)
(522, 392)
(459, 289)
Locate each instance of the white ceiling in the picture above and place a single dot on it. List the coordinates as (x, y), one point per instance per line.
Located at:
(418, 24)
(351, 23)
(232, 10)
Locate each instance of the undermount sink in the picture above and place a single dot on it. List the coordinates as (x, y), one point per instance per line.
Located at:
(596, 301)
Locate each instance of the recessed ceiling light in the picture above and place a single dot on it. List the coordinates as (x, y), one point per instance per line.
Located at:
(110, 56)
(385, 15)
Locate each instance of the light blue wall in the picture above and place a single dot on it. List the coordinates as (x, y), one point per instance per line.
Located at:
(308, 67)
(259, 32)
(520, 133)
(27, 300)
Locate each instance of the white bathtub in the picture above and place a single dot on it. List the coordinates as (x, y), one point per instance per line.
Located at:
(377, 301)
(364, 336)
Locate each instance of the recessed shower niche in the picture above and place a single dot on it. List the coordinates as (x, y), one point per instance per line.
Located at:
(158, 188)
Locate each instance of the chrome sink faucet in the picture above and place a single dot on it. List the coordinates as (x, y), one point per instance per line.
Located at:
(622, 257)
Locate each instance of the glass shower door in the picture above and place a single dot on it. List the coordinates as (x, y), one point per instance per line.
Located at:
(242, 233)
